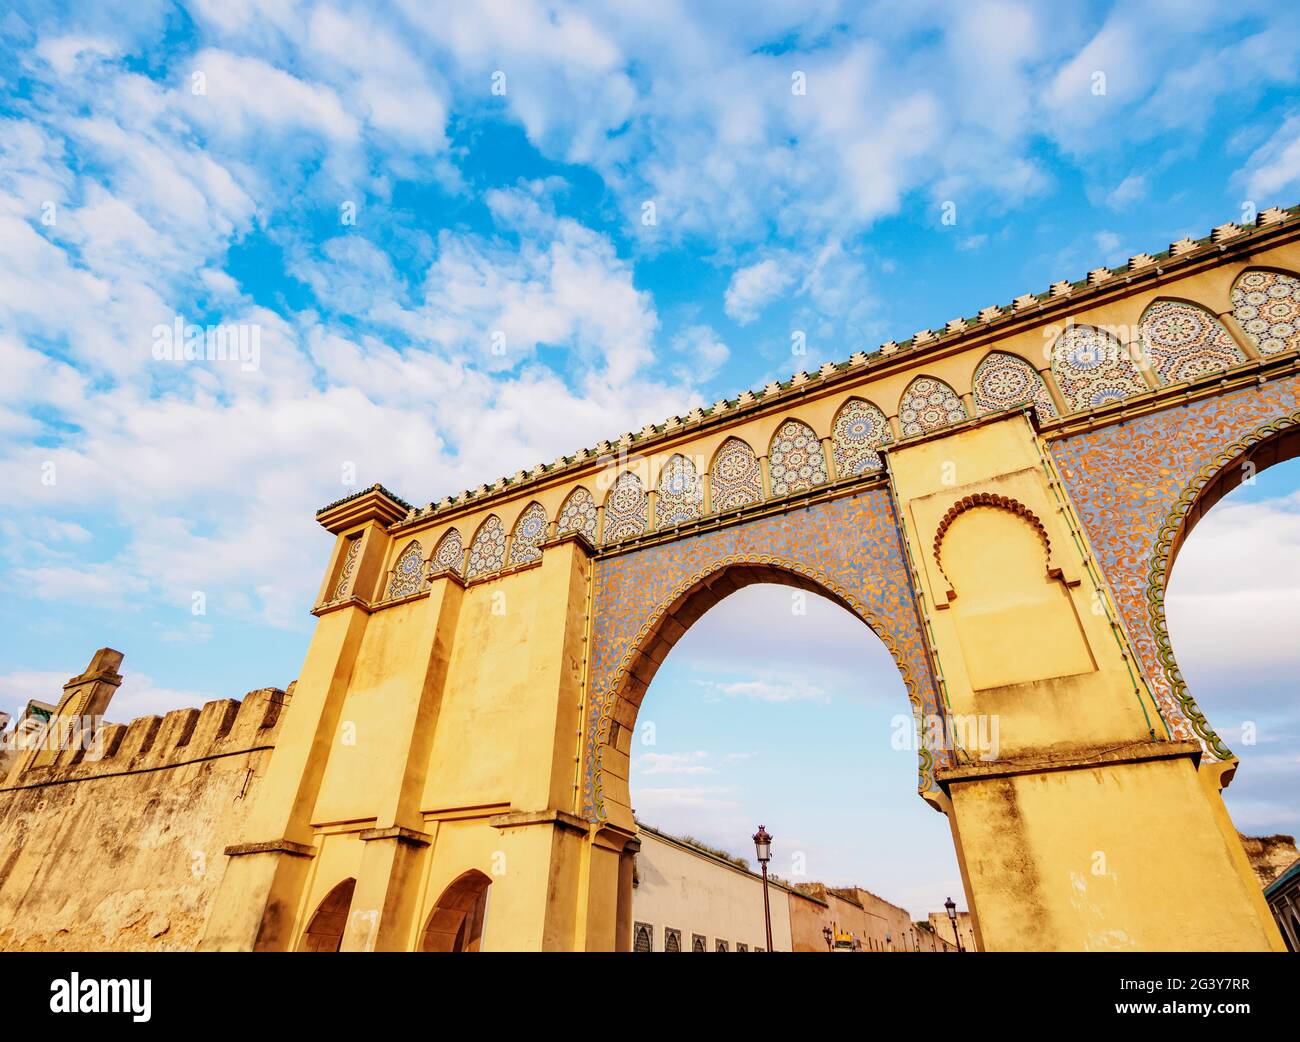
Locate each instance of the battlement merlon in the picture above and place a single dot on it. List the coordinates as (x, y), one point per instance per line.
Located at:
(67, 750)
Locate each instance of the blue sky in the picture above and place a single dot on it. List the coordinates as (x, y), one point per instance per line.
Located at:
(639, 205)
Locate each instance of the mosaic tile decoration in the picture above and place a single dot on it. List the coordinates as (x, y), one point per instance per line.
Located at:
(450, 553)
(349, 565)
(1004, 381)
(795, 461)
(927, 405)
(736, 480)
(627, 510)
(578, 514)
(1127, 482)
(487, 553)
(860, 429)
(529, 534)
(1093, 369)
(1184, 342)
(849, 545)
(408, 571)
(1267, 304)
(681, 493)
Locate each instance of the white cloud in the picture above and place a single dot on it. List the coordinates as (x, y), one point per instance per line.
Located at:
(754, 287)
(1272, 173)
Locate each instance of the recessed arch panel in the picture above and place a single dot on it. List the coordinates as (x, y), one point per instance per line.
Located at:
(858, 434)
(487, 553)
(927, 405)
(735, 477)
(1266, 303)
(681, 493)
(1094, 369)
(795, 460)
(1005, 381)
(529, 534)
(1184, 342)
(408, 571)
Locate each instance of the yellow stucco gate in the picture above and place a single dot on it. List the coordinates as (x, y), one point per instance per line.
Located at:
(1000, 500)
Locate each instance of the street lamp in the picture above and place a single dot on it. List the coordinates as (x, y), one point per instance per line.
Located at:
(763, 847)
(826, 932)
(951, 905)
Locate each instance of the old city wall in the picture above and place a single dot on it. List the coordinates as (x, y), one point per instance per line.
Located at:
(119, 846)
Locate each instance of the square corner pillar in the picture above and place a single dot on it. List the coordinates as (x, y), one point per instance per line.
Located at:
(1116, 852)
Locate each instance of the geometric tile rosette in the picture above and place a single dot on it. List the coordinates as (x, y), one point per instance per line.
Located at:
(681, 493)
(408, 571)
(849, 545)
(795, 460)
(927, 405)
(578, 515)
(449, 556)
(736, 478)
(529, 534)
(1003, 381)
(1132, 485)
(1185, 342)
(1093, 369)
(487, 553)
(860, 429)
(1267, 304)
(627, 509)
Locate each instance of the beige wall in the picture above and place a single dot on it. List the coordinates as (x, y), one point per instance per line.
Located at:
(685, 889)
(128, 851)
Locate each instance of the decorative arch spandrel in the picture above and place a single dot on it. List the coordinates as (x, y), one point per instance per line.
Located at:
(1126, 481)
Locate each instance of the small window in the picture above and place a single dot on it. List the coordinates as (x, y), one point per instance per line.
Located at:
(740, 947)
(672, 940)
(697, 943)
(722, 946)
(643, 937)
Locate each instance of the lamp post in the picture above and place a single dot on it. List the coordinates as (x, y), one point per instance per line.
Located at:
(763, 848)
(951, 905)
(826, 932)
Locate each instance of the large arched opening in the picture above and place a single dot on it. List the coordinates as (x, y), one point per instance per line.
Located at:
(763, 694)
(1225, 598)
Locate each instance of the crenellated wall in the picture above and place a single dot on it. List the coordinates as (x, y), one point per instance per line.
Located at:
(118, 843)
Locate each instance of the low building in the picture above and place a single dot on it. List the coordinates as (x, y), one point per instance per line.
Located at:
(689, 897)
(1283, 897)
(941, 925)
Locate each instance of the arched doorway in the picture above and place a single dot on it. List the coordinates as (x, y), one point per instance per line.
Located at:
(456, 922)
(325, 931)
